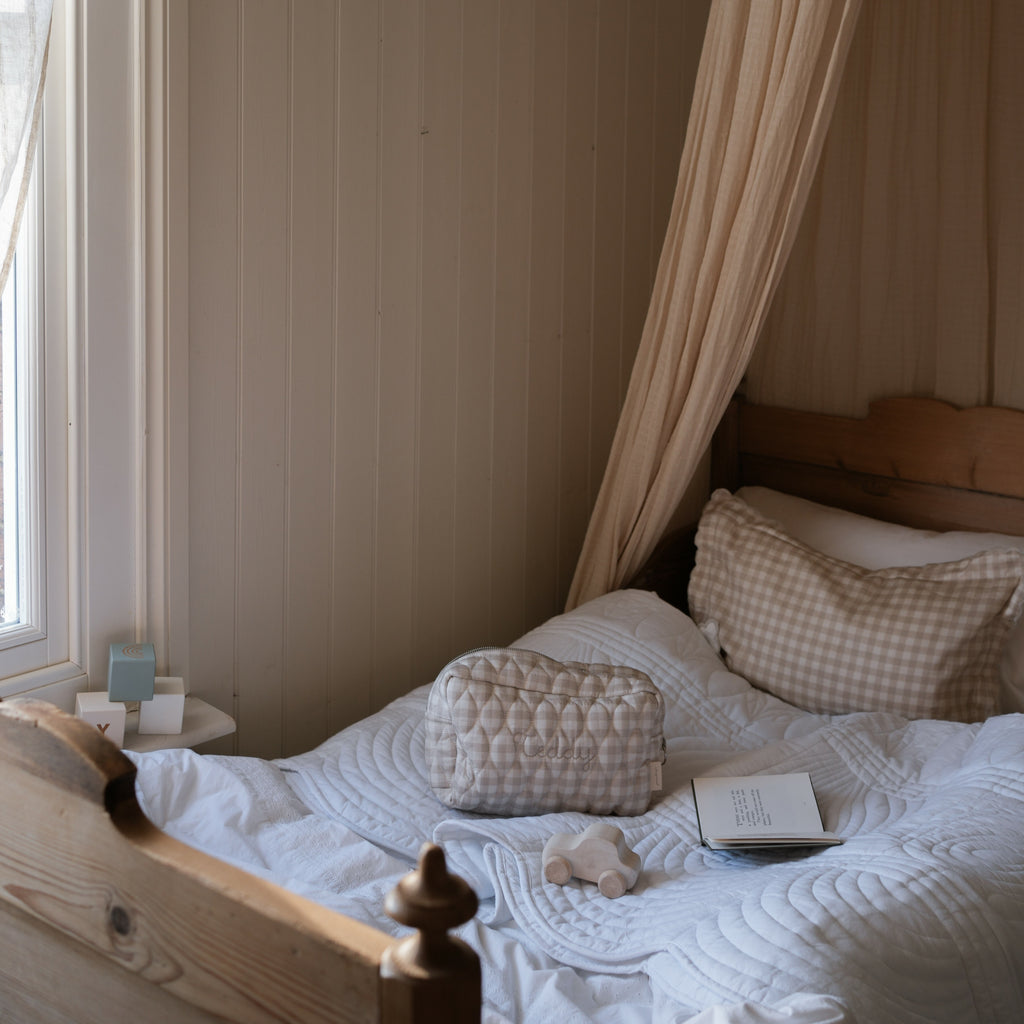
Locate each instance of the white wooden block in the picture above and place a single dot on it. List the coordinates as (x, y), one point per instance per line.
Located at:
(598, 854)
(108, 716)
(163, 714)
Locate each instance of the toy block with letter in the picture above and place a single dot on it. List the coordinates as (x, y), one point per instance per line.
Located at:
(108, 716)
(131, 672)
(163, 713)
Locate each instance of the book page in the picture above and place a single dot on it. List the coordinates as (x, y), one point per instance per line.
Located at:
(757, 807)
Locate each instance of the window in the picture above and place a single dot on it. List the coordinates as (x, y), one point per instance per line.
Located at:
(101, 527)
(19, 346)
(35, 595)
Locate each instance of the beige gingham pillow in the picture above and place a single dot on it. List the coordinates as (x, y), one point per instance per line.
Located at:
(924, 642)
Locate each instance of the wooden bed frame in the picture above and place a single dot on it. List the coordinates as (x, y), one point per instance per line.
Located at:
(104, 918)
(914, 461)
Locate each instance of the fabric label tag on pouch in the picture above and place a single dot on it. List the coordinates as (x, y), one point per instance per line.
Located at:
(655, 767)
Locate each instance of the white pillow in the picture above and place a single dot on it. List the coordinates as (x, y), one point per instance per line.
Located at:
(874, 544)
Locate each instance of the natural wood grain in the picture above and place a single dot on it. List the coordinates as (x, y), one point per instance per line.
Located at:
(431, 969)
(910, 439)
(47, 977)
(193, 927)
(921, 505)
(100, 908)
(916, 461)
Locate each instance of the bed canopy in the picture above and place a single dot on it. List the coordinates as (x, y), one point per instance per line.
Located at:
(925, 261)
(764, 94)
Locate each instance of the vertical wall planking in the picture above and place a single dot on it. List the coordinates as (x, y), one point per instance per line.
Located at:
(641, 238)
(962, 96)
(513, 223)
(410, 259)
(611, 345)
(436, 455)
(398, 338)
(263, 368)
(908, 255)
(477, 396)
(311, 274)
(543, 490)
(669, 112)
(213, 338)
(355, 300)
(109, 314)
(172, 314)
(1006, 207)
(579, 256)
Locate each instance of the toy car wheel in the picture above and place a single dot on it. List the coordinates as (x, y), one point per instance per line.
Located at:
(611, 884)
(558, 870)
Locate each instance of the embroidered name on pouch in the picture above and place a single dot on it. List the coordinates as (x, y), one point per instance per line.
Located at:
(533, 746)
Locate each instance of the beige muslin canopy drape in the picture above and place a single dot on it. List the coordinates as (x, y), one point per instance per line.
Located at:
(764, 95)
(24, 33)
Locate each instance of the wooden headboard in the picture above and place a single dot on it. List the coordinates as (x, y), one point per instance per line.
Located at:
(915, 461)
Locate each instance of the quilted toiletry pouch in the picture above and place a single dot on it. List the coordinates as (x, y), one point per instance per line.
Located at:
(513, 732)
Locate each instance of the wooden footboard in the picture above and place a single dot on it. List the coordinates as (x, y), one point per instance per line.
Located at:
(104, 918)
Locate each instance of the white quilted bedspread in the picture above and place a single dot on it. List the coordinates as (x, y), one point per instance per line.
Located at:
(919, 916)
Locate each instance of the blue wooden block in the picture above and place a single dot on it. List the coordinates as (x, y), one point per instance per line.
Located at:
(132, 671)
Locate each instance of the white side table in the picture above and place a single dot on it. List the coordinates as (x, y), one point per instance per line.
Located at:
(201, 722)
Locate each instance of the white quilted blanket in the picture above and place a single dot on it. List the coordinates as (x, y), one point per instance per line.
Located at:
(919, 916)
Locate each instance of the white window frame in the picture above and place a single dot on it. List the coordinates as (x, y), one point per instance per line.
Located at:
(39, 655)
(109, 507)
(23, 415)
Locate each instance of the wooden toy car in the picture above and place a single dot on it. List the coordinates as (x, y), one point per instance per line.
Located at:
(598, 854)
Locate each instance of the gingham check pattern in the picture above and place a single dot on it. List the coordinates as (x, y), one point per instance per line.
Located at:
(514, 732)
(828, 636)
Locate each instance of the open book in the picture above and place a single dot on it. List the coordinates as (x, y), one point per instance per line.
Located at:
(735, 813)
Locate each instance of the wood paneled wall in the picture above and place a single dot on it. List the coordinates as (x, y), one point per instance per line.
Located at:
(421, 239)
(907, 274)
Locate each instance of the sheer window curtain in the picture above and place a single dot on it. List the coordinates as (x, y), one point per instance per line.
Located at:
(764, 95)
(24, 34)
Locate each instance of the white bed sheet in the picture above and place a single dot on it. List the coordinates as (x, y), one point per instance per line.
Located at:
(918, 917)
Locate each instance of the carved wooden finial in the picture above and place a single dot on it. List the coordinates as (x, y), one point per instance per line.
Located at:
(430, 898)
(431, 972)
